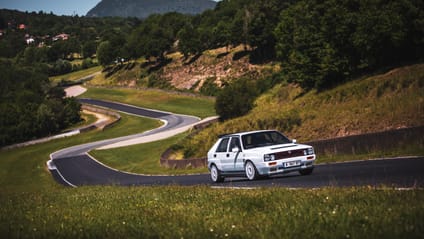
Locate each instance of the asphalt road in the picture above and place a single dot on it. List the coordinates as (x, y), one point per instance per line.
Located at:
(73, 167)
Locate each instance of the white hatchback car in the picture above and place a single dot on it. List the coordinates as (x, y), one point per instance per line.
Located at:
(258, 153)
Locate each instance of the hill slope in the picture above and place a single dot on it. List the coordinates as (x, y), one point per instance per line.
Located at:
(383, 102)
(144, 8)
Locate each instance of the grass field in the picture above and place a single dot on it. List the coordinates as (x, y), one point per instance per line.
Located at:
(157, 99)
(202, 212)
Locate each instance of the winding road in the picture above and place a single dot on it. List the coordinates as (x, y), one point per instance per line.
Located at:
(74, 167)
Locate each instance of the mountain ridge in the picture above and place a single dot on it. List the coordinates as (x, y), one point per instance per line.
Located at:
(144, 8)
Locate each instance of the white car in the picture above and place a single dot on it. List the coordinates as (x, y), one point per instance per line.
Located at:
(258, 153)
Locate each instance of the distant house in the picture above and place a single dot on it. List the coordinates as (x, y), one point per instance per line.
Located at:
(30, 40)
(62, 37)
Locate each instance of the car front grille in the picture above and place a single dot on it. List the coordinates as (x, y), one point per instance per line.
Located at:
(289, 154)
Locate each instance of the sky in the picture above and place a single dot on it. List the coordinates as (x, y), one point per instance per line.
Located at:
(58, 7)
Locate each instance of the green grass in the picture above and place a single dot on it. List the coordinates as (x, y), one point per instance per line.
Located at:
(24, 169)
(143, 159)
(157, 99)
(76, 75)
(202, 212)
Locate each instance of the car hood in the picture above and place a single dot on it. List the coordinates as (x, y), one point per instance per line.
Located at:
(277, 148)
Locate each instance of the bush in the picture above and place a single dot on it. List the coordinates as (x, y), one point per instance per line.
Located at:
(236, 99)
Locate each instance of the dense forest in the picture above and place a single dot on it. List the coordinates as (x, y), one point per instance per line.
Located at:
(30, 107)
(318, 44)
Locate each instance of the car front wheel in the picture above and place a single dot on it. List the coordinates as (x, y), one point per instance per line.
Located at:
(216, 175)
(250, 170)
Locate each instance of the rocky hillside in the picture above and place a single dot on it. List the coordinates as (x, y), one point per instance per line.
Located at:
(213, 67)
(217, 66)
(144, 8)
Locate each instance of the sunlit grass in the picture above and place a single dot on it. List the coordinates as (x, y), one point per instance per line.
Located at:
(157, 99)
(143, 158)
(202, 212)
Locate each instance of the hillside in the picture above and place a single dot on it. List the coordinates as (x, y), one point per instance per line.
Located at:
(144, 8)
(391, 100)
(213, 66)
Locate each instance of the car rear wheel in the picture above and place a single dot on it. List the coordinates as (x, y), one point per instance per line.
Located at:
(250, 170)
(216, 175)
(306, 171)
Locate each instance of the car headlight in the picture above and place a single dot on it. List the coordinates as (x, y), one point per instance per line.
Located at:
(269, 157)
(308, 151)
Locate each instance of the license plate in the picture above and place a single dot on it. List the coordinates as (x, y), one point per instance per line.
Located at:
(291, 164)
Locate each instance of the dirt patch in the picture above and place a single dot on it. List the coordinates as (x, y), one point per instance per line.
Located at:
(219, 65)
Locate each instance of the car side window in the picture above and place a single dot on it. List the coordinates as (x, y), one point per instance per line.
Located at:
(235, 142)
(222, 147)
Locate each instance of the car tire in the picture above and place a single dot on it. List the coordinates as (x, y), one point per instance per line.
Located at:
(216, 174)
(306, 171)
(250, 170)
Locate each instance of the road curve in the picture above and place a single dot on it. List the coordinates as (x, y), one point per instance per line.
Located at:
(74, 167)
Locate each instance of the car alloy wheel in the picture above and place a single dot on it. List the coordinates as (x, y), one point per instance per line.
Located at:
(250, 170)
(216, 175)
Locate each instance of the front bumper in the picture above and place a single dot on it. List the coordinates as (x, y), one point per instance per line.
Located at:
(278, 166)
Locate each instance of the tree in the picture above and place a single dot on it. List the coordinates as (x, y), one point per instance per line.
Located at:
(30, 106)
(189, 41)
(105, 53)
(236, 99)
(89, 49)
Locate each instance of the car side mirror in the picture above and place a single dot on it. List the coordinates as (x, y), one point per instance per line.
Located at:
(235, 149)
(294, 141)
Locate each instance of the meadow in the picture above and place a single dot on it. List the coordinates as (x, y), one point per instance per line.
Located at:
(203, 212)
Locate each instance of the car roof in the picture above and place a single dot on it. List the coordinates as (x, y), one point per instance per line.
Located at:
(244, 133)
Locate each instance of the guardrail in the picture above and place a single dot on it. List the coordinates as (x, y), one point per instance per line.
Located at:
(355, 144)
(103, 111)
(365, 143)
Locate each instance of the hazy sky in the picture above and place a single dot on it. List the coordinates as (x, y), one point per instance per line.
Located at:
(58, 7)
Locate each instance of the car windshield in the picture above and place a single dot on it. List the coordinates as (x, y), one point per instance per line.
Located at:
(261, 139)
